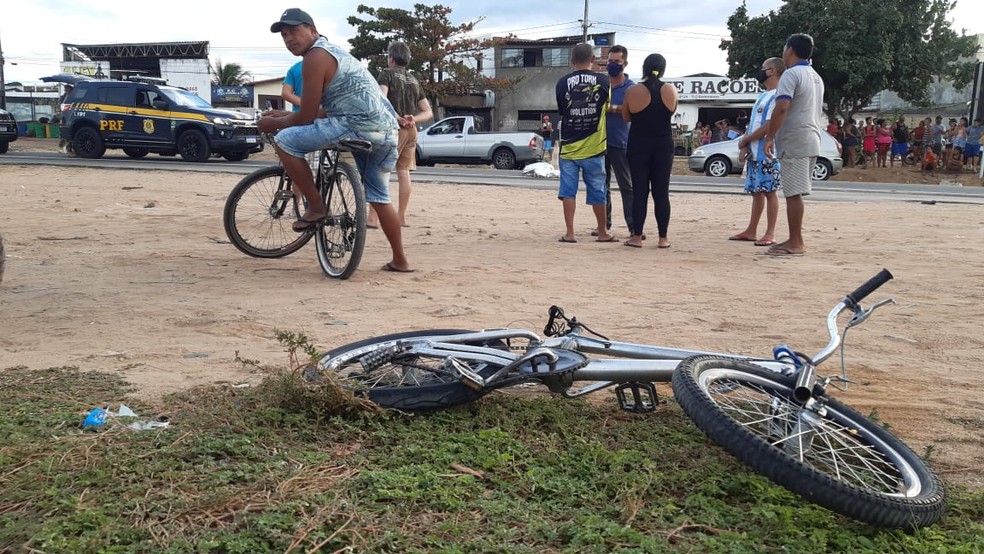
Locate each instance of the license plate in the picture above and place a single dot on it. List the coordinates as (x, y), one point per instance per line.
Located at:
(4, 128)
(251, 140)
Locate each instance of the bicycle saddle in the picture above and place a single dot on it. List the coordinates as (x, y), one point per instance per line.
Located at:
(353, 145)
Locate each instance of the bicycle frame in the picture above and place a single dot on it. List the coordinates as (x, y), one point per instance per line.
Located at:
(622, 362)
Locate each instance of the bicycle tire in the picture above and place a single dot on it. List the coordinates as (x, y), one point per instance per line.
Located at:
(428, 391)
(342, 237)
(257, 222)
(859, 470)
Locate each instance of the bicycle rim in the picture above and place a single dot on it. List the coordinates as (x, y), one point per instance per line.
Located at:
(831, 455)
(375, 369)
(259, 213)
(341, 239)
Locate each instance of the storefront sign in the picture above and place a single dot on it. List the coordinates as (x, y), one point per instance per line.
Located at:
(715, 88)
(96, 70)
(231, 94)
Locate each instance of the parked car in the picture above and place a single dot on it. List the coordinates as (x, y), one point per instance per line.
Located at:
(720, 159)
(144, 115)
(8, 130)
(457, 140)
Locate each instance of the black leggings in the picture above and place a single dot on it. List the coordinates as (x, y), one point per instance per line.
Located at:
(650, 163)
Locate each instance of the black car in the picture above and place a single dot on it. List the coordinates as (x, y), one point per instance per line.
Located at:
(145, 115)
(8, 130)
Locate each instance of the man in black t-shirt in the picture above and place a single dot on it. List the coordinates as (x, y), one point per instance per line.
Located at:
(900, 141)
(582, 100)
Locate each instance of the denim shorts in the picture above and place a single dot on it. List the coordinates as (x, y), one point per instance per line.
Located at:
(374, 166)
(593, 170)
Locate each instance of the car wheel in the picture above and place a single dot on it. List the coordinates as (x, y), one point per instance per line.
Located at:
(4, 146)
(718, 166)
(193, 146)
(236, 156)
(503, 158)
(822, 170)
(87, 143)
(423, 163)
(135, 152)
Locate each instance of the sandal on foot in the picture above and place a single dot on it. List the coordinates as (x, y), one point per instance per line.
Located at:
(303, 225)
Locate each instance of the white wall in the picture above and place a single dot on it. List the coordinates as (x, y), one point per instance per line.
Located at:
(192, 75)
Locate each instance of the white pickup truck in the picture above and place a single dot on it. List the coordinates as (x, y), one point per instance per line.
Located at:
(457, 140)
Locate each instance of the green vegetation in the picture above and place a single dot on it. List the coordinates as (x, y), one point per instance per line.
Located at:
(862, 47)
(230, 74)
(444, 56)
(281, 467)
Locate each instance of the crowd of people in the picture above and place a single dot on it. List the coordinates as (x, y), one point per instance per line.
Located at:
(955, 146)
(599, 113)
(610, 125)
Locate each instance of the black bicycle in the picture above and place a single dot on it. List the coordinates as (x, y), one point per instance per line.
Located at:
(262, 208)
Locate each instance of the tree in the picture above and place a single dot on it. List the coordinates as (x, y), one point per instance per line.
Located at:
(440, 51)
(862, 47)
(229, 74)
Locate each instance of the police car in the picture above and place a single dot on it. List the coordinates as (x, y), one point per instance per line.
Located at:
(8, 130)
(144, 115)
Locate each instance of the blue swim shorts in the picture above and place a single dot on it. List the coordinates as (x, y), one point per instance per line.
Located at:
(762, 176)
(593, 170)
(374, 166)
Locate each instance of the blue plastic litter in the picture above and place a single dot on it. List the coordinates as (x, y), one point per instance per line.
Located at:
(96, 418)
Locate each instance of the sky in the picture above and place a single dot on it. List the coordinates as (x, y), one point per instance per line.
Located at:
(687, 33)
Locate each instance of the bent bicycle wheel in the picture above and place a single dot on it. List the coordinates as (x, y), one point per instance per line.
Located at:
(828, 454)
(259, 213)
(370, 368)
(342, 237)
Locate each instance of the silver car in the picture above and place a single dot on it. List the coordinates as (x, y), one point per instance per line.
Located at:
(720, 159)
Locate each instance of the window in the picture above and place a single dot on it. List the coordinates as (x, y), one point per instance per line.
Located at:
(522, 57)
(556, 57)
(116, 96)
(448, 127)
(512, 57)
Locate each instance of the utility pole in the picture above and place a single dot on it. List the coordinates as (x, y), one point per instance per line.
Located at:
(3, 84)
(584, 23)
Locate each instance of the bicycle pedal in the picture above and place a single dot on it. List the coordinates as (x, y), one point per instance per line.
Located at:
(637, 397)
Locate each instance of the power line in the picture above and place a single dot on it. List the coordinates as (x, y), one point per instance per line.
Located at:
(651, 30)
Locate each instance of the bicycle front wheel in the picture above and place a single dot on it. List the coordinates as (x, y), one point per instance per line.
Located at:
(827, 453)
(259, 213)
(342, 237)
(376, 369)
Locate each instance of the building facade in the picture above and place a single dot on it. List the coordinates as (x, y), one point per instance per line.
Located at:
(540, 64)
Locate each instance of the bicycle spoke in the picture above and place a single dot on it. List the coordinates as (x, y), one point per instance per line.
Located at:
(825, 444)
(260, 213)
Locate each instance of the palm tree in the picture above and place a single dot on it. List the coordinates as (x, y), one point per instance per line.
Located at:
(229, 74)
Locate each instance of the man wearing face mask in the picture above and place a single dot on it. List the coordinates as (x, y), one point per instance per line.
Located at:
(618, 137)
(762, 174)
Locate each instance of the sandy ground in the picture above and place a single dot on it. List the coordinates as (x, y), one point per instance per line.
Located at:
(130, 272)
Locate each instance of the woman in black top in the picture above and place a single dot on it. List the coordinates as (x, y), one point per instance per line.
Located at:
(649, 105)
(850, 142)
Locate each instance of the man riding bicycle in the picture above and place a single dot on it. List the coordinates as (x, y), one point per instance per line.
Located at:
(354, 108)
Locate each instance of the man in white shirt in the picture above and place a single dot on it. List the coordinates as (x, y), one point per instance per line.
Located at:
(794, 136)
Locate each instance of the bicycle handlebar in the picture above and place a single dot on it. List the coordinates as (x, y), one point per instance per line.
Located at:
(849, 302)
(864, 290)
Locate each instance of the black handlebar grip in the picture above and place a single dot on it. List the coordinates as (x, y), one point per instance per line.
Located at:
(864, 290)
(553, 312)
